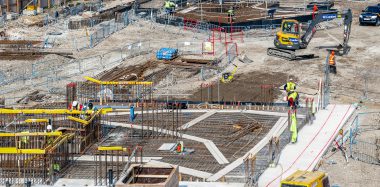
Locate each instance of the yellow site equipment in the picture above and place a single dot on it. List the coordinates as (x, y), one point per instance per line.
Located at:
(306, 179)
(289, 38)
(228, 76)
(31, 7)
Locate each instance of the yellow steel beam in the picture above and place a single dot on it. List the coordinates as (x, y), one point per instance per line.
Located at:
(8, 150)
(117, 83)
(93, 116)
(56, 133)
(84, 122)
(93, 80)
(60, 141)
(31, 151)
(47, 111)
(111, 148)
(14, 150)
(78, 120)
(36, 120)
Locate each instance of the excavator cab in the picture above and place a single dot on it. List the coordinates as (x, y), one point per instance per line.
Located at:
(289, 35)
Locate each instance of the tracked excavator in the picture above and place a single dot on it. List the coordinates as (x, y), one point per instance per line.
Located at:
(290, 39)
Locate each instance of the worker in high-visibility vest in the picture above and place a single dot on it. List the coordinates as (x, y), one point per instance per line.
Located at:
(56, 168)
(293, 99)
(24, 140)
(293, 127)
(332, 64)
(231, 14)
(169, 7)
(290, 86)
(179, 147)
(50, 139)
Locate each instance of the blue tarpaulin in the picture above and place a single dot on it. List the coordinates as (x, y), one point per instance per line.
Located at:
(166, 53)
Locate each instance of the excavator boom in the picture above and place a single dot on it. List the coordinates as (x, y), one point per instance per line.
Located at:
(287, 51)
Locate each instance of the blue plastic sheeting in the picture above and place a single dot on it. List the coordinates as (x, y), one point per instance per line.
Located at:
(166, 53)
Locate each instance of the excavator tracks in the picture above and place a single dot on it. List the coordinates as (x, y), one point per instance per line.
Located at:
(282, 53)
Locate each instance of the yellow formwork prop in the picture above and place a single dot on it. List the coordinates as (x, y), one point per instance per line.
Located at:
(56, 133)
(36, 120)
(78, 120)
(117, 83)
(14, 150)
(48, 111)
(111, 148)
(84, 122)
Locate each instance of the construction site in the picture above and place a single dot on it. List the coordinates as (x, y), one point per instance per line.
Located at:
(190, 93)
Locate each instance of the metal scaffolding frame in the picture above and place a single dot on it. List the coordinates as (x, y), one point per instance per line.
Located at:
(37, 158)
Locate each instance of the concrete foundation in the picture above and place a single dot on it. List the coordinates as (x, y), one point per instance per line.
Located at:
(150, 175)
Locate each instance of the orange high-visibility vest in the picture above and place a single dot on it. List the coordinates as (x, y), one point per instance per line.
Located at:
(332, 59)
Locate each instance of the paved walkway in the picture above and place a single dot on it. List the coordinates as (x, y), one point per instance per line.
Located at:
(313, 140)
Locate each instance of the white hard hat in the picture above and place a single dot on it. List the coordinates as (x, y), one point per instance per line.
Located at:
(49, 127)
(75, 103)
(291, 79)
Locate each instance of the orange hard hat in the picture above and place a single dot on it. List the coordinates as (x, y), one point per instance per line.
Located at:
(333, 52)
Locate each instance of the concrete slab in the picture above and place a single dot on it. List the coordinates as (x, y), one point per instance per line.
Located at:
(197, 120)
(276, 129)
(208, 143)
(313, 140)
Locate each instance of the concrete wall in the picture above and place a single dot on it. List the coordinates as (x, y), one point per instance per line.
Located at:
(171, 180)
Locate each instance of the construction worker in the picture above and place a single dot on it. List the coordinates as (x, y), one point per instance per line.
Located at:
(56, 168)
(49, 128)
(179, 147)
(293, 127)
(231, 14)
(290, 86)
(315, 10)
(293, 99)
(24, 140)
(332, 64)
(169, 7)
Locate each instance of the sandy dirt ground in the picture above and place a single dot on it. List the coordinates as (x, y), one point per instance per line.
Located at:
(357, 80)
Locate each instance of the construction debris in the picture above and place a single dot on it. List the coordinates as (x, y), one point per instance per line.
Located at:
(35, 96)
